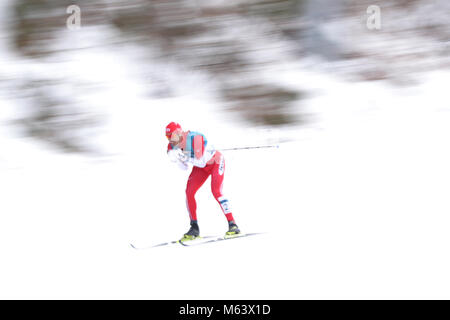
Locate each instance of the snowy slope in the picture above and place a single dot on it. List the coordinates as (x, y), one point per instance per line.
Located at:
(357, 209)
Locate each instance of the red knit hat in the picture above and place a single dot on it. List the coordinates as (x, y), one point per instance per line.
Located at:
(171, 127)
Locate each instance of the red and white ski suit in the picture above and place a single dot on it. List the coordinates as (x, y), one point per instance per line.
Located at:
(206, 162)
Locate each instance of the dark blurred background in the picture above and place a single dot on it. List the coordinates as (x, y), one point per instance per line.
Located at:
(238, 48)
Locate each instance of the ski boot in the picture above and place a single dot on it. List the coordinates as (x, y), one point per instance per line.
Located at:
(193, 233)
(233, 229)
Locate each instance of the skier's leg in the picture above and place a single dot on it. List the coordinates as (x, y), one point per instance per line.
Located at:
(196, 179)
(217, 176)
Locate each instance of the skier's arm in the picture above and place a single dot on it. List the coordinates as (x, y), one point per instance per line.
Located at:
(176, 155)
(183, 165)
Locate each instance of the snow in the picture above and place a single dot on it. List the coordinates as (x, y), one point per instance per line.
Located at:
(357, 209)
(355, 205)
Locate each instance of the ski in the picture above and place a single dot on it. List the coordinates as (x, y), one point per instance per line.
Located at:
(197, 241)
(170, 243)
(154, 246)
(220, 238)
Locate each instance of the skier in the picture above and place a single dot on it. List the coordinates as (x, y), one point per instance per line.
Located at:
(188, 147)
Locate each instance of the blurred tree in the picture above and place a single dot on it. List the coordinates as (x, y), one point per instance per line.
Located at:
(242, 44)
(222, 38)
(54, 119)
(217, 37)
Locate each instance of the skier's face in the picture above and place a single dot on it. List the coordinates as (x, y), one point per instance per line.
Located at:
(176, 137)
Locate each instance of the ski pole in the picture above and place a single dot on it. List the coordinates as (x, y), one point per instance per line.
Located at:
(254, 147)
